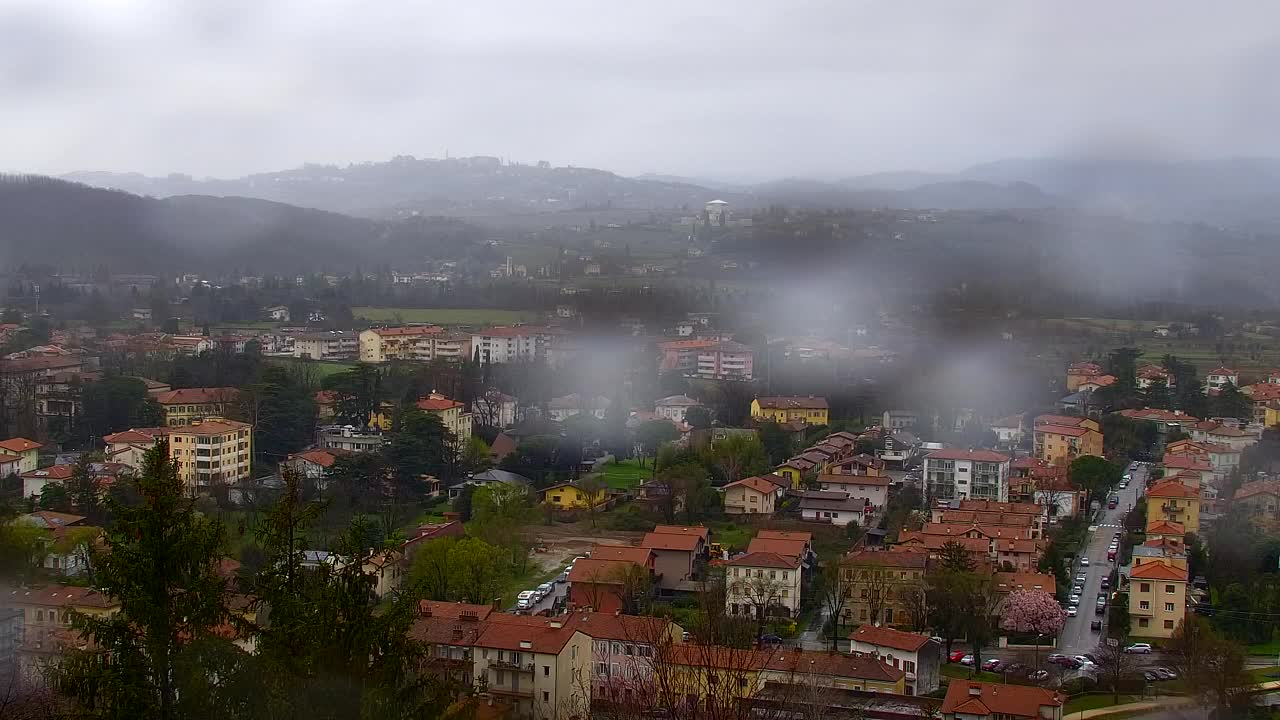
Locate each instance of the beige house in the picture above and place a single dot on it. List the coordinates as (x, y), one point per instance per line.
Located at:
(762, 582)
(378, 345)
(750, 496)
(186, 405)
(872, 487)
(1157, 599)
(537, 665)
(212, 452)
(27, 450)
(451, 413)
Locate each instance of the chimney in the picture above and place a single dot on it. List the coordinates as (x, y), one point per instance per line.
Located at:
(555, 623)
(975, 690)
(526, 644)
(497, 604)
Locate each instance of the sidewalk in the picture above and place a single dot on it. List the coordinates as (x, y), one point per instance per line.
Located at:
(1168, 703)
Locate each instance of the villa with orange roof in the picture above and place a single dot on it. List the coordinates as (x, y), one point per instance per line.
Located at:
(1173, 501)
(750, 496)
(27, 450)
(1061, 439)
(1157, 599)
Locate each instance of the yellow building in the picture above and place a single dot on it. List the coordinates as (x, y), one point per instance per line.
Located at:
(451, 413)
(1157, 600)
(28, 450)
(212, 452)
(1171, 500)
(1060, 439)
(185, 405)
(810, 410)
(378, 345)
(571, 497)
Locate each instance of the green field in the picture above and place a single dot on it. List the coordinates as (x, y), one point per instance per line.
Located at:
(1093, 701)
(444, 316)
(322, 368)
(626, 474)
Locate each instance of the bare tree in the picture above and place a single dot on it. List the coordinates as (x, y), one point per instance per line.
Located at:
(593, 489)
(1212, 665)
(759, 591)
(1116, 667)
(875, 589)
(915, 601)
(835, 585)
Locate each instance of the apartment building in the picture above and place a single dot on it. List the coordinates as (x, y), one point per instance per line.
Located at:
(415, 343)
(185, 405)
(809, 410)
(539, 666)
(762, 583)
(506, 344)
(750, 496)
(1059, 439)
(345, 437)
(623, 648)
(1157, 599)
(1173, 501)
(725, 360)
(957, 474)
(28, 452)
(879, 583)
(452, 415)
(329, 345)
(918, 657)
(209, 452)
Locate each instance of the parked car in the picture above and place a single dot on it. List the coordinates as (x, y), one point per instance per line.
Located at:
(1150, 676)
(967, 659)
(1039, 675)
(992, 665)
(1077, 589)
(1165, 673)
(546, 589)
(1081, 577)
(524, 600)
(955, 656)
(1073, 611)
(770, 640)
(687, 636)
(1096, 626)
(1084, 561)
(1075, 598)
(1106, 583)
(1141, 648)
(1055, 658)
(1016, 669)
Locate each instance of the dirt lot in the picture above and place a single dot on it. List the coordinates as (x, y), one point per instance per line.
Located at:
(569, 541)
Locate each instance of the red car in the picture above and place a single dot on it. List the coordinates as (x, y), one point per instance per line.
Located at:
(956, 656)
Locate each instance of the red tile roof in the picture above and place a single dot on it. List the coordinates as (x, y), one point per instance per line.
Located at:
(322, 457)
(860, 667)
(785, 535)
(638, 555)
(408, 331)
(758, 484)
(58, 595)
(19, 445)
(870, 480)
(971, 455)
(436, 404)
(990, 531)
(136, 436)
(1069, 431)
(937, 542)
(1018, 508)
(1157, 571)
(453, 610)
(988, 518)
(766, 560)
(1172, 489)
(1185, 462)
(204, 395)
(1258, 487)
(627, 628)
(888, 637)
(541, 634)
(1065, 420)
(778, 546)
(53, 472)
(1010, 581)
(984, 699)
(881, 558)
(695, 530)
(1158, 414)
(600, 571)
(667, 541)
(1165, 527)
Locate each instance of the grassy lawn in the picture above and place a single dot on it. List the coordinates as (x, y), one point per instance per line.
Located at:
(323, 368)
(1093, 701)
(626, 474)
(734, 537)
(444, 316)
(1269, 649)
(962, 672)
(1264, 674)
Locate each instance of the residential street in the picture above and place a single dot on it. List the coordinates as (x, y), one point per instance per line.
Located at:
(1076, 636)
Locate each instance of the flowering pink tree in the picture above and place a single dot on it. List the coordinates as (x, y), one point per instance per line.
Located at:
(1033, 611)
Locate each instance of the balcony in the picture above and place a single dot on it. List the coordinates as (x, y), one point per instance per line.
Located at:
(509, 665)
(510, 691)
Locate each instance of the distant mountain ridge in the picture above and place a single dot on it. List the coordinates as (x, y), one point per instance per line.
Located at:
(49, 221)
(1240, 191)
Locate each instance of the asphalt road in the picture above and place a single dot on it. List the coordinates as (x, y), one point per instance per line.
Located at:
(1076, 637)
(559, 589)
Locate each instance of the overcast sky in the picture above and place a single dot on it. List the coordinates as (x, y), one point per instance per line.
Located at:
(731, 90)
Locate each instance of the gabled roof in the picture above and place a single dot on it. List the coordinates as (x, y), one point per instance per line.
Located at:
(1010, 581)
(1222, 371)
(695, 530)
(1019, 532)
(1157, 571)
(793, 535)
(666, 541)
(629, 628)
(407, 331)
(793, 403)
(870, 480)
(600, 571)
(860, 667)
(1165, 527)
(323, 457)
(971, 455)
(1068, 430)
(677, 401)
(978, 698)
(1172, 489)
(766, 560)
(1018, 508)
(540, 634)
(780, 481)
(53, 472)
(1185, 462)
(888, 637)
(1064, 420)
(790, 547)
(1259, 487)
(59, 595)
(19, 445)
(988, 518)
(436, 403)
(136, 436)
(49, 520)
(937, 542)
(845, 503)
(627, 553)
(882, 558)
(758, 484)
(202, 395)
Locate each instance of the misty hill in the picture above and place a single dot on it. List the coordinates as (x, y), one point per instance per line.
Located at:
(948, 195)
(71, 225)
(404, 185)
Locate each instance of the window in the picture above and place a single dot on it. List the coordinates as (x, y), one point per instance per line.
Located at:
(1143, 622)
(1168, 589)
(40, 615)
(630, 649)
(1144, 605)
(500, 678)
(908, 666)
(1144, 587)
(546, 696)
(784, 574)
(602, 669)
(1168, 624)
